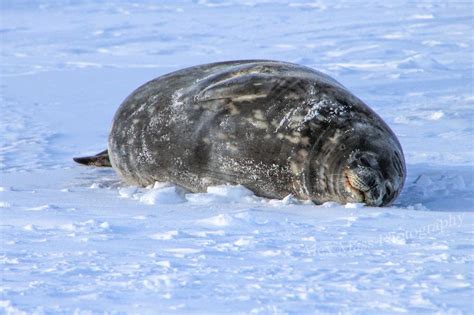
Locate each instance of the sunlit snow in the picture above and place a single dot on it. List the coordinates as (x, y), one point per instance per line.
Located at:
(77, 239)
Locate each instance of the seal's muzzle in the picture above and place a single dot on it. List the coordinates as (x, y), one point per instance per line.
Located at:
(363, 179)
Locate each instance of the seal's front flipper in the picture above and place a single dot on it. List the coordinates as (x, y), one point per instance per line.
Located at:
(101, 159)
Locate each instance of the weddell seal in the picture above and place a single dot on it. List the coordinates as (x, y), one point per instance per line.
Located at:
(275, 127)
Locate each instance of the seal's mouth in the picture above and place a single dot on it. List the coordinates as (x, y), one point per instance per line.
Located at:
(350, 186)
(363, 185)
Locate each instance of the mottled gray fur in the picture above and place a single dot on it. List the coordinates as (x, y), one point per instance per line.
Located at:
(275, 127)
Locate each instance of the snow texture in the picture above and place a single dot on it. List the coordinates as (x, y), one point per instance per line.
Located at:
(78, 240)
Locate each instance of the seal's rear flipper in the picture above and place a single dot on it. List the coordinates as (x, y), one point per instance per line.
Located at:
(100, 159)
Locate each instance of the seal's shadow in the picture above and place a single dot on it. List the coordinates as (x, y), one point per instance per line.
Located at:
(439, 188)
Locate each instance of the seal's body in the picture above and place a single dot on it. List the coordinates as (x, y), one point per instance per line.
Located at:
(277, 128)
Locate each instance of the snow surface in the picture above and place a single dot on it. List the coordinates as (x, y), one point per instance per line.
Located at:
(76, 239)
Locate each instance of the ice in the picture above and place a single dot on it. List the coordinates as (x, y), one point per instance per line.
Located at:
(4, 204)
(166, 195)
(78, 240)
(127, 192)
(222, 194)
(165, 235)
(354, 205)
(233, 192)
(288, 200)
(218, 220)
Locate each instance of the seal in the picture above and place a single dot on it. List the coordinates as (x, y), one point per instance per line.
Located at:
(275, 127)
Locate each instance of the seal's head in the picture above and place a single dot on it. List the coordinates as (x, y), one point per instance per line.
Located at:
(363, 165)
(375, 179)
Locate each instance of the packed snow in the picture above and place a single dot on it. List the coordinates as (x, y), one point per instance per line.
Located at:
(78, 240)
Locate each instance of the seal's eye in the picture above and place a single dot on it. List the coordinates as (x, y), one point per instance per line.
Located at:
(364, 162)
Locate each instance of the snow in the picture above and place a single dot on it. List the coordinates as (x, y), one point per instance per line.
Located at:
(78, 240)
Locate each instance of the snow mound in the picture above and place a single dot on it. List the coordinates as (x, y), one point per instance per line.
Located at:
(218, 220)
(164, 235)
(223, 194)
(420, 62)
(439, 189)
(288, 200)
(127, 192)
(165, 195)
